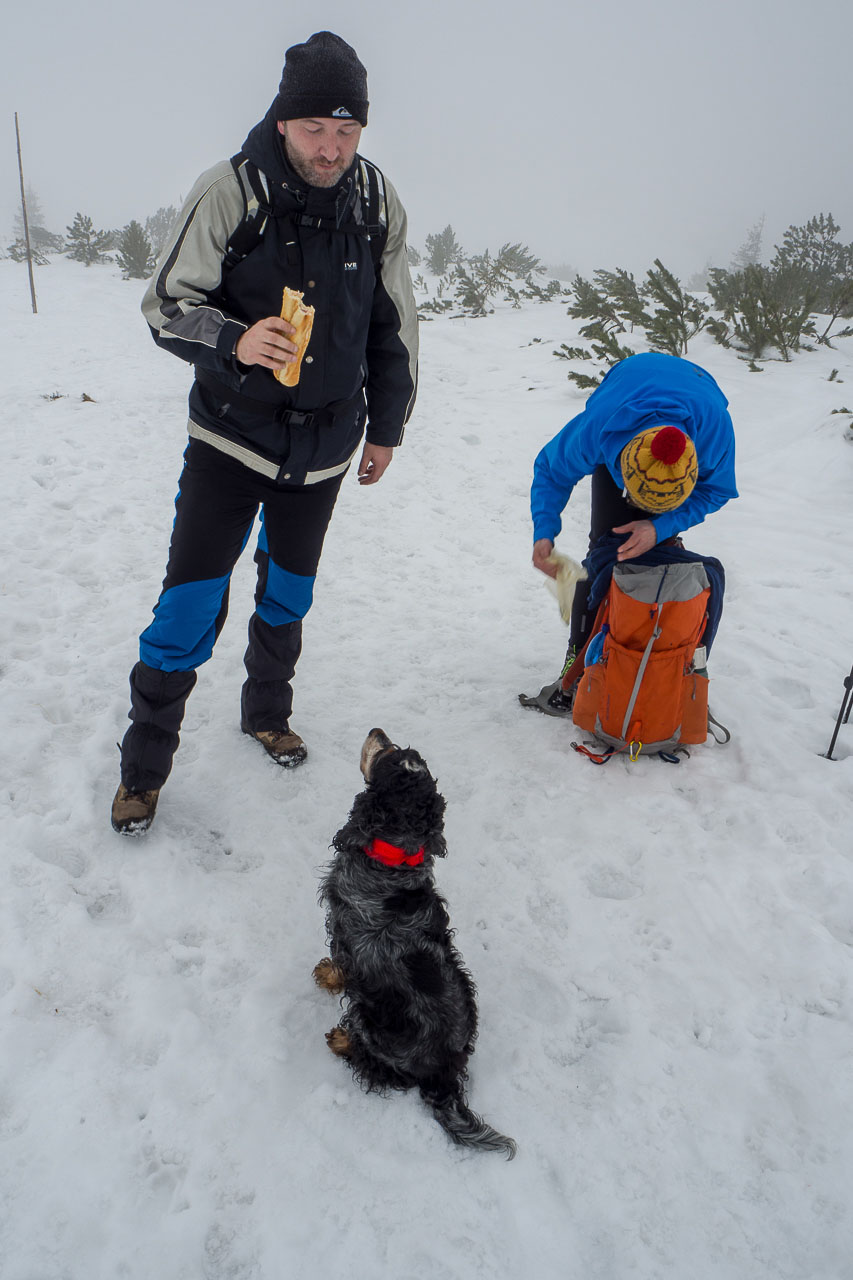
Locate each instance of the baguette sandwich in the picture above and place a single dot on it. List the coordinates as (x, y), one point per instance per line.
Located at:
(295, 312)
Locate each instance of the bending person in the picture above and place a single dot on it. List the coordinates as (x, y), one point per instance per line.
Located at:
(658, 442)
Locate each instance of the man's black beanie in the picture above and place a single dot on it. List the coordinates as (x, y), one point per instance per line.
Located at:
(322, 77)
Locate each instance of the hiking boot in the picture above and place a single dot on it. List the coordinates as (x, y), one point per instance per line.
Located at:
(285, 746)
(571, 653)
(133, 811)
(560, 702)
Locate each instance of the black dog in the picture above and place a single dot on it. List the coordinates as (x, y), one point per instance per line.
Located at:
(411, 1014)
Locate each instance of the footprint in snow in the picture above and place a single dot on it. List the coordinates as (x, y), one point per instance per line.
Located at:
(798, 696)
(164, 1172)
(611, 882)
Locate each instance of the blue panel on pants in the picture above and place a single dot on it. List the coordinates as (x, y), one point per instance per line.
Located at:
(183, 632)
(287, 597)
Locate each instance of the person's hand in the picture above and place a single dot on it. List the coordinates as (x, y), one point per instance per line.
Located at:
(374, 461)
(643, 538)
(267, 343)
(542, 549)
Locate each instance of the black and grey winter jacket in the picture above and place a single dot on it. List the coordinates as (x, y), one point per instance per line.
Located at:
(364, 341)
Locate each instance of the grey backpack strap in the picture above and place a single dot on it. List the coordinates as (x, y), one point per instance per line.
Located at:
(715, 724)
(256, 211)
(374, 203)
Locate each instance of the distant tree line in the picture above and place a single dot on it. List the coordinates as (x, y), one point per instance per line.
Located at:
(760, 310)
(134, 247)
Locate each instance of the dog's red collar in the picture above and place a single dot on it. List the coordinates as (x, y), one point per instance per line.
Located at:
(391, 855)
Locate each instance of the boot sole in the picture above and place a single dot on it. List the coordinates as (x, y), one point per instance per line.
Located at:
(132, 827)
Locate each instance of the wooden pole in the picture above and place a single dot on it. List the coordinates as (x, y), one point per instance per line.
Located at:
(26, 223)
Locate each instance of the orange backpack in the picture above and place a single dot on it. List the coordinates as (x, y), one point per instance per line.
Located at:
(644, 686)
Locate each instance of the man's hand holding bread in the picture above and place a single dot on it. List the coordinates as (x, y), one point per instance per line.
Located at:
(279, 343)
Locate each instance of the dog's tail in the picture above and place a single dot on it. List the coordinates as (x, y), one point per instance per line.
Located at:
(464, 1126)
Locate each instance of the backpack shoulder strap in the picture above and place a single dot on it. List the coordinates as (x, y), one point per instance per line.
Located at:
(371, 184)
(256, 211)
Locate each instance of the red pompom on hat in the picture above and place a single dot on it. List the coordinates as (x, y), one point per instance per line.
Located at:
(668, 445)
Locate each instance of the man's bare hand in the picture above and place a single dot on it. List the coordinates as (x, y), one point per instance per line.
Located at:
(541, 551)
(643, 538)
(267, 343)
(374, 461)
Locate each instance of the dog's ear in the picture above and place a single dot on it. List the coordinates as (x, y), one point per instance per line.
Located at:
(386, 763)
(411, 761)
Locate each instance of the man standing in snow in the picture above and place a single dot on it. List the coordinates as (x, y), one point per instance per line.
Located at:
(298, 207)
(657, 439)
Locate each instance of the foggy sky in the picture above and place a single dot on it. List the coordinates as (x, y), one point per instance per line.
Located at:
(604, 134)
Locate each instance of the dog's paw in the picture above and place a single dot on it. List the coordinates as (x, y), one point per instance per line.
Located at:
(329, 976)
(338, 1041)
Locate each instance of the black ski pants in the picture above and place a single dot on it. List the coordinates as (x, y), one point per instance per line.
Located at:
(218, 499)
(609, 507)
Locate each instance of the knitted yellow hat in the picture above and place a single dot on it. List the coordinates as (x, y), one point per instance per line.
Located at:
(659, 468)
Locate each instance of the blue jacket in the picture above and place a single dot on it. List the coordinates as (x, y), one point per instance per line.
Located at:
(640, 392)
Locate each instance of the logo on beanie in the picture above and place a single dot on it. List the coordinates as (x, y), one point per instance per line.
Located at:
(342, 112)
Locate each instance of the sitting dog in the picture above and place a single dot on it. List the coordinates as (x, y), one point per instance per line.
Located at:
(411, 1014)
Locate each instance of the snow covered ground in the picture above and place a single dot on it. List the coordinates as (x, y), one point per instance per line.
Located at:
(664, 954)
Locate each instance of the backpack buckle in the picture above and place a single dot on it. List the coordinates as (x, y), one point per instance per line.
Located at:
(294, 418)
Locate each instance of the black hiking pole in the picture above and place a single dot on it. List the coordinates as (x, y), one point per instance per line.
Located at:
(844, 713)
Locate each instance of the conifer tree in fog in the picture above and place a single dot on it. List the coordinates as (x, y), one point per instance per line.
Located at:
(443, 251)
(135, 255)
(42, 241)
(40, 237)
(84, 244)
(749, 253)
(825, 263)
(158, 227)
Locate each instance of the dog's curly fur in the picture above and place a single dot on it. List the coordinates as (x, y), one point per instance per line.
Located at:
(410, 1016)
